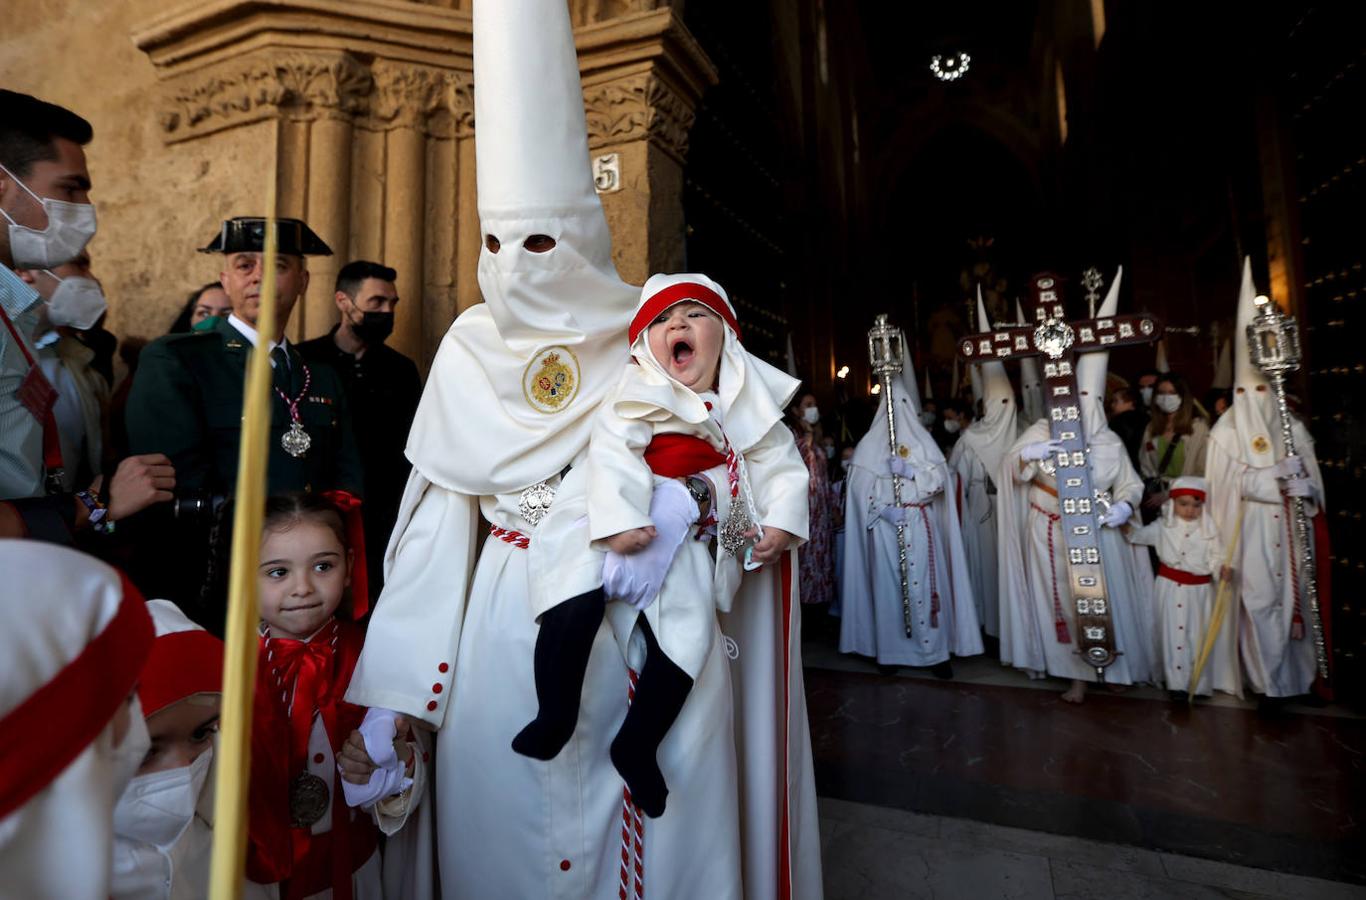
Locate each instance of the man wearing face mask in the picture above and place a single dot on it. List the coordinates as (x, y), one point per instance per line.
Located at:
(47, 222)
(82, 393)
(383, 388)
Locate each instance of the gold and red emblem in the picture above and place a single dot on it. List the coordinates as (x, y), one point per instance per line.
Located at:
(1260, 444)
(551, 379)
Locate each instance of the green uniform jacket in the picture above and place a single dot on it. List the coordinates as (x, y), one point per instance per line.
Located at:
(186, 402)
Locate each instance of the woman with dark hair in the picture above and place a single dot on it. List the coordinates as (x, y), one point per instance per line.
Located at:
(205, 302)
(1174, 441)
(816, 556)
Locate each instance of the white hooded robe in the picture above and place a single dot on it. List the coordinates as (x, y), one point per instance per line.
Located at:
(872, 620)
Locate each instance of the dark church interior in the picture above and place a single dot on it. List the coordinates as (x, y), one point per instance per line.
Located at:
(833, 175)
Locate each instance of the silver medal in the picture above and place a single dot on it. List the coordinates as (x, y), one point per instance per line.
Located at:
(535, 502)
(732, 533)
(296, 441)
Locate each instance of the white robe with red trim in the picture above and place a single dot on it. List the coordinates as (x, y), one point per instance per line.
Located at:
(509, 826)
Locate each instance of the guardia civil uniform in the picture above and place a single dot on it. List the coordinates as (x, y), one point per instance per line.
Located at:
(186, 402)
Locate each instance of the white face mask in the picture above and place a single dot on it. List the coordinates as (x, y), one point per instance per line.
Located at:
(829, 451)
(1147, 394)
(78, 302)
(951, 426)
(70, 226)
(927, 418)
(1168, 403)
(812, 415)
(845, 463)
(157, 808)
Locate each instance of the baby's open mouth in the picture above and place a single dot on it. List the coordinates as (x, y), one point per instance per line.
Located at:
(682, 353)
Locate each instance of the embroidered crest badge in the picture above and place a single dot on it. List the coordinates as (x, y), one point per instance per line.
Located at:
(551, 379)
(1260, 444)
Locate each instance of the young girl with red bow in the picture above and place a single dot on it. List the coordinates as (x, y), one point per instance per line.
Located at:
(312, 834)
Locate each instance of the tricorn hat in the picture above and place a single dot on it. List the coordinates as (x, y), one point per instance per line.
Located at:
(247, 234)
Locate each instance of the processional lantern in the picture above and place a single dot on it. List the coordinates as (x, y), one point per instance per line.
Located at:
(1079, 506)
(1273, 345)
(886, 357)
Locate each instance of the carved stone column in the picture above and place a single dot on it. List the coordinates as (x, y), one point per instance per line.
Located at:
(365, 113)
(643, 75)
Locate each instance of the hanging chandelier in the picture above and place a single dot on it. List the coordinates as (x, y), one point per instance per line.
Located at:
(951, 66)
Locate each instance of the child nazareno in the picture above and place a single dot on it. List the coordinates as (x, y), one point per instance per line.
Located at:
(1190, 557)
(694, 422)
(163, 830)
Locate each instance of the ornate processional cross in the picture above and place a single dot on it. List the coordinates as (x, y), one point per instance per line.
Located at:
(1059, 341)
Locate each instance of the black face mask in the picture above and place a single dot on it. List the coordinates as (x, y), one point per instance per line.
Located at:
(374, 327)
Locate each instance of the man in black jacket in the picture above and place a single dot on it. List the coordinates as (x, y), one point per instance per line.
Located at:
(382, 388)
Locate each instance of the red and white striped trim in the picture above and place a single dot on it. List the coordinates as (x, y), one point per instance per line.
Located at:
(632, 829)
(508, 536)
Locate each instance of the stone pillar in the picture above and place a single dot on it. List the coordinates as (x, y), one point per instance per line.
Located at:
(365, 113)
(643, 75)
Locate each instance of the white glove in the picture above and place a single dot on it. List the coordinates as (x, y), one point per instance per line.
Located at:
(1290, 467)
(1117, 515)
(390, 777)
(636, 577)
(1039, 450)
(1297, 487)
(897, 466)
(893, 514)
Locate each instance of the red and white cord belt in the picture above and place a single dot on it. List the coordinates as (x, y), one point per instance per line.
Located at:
(632, 828)
(1059, 623)
(508, 536)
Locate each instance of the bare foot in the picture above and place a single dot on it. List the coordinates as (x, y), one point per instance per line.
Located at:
(1076, 693)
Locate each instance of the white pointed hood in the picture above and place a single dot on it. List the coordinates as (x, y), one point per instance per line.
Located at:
(511, 394)
(929, 388)
(1091, 369)
(991, 435)
(753, 394)
(1031, 381)
(1223, 367)
(1160, 359)
(1254, 409)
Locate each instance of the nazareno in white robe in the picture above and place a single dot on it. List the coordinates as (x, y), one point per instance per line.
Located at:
(1244, 447)
(872, 620)
(974, 462)
(452, 643)
(1183, 611)
(1028, 633)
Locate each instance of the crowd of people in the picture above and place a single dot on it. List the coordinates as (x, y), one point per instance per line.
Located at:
(535, 625)
(1196, 502)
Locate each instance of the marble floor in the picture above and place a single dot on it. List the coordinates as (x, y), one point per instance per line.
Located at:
(992, 766)
(876, 853)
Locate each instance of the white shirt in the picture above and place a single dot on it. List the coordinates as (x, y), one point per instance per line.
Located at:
(249, 332)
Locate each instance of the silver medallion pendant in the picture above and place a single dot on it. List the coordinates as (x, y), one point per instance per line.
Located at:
(308, 799)
(535, 502)
(296, 441)
(732, 533)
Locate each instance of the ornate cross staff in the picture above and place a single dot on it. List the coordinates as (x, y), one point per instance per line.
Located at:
(885, 354)
(1273, 343)
(1060, 341)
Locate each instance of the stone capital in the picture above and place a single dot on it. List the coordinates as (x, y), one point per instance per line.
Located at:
(301, 84)
(643, 75)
